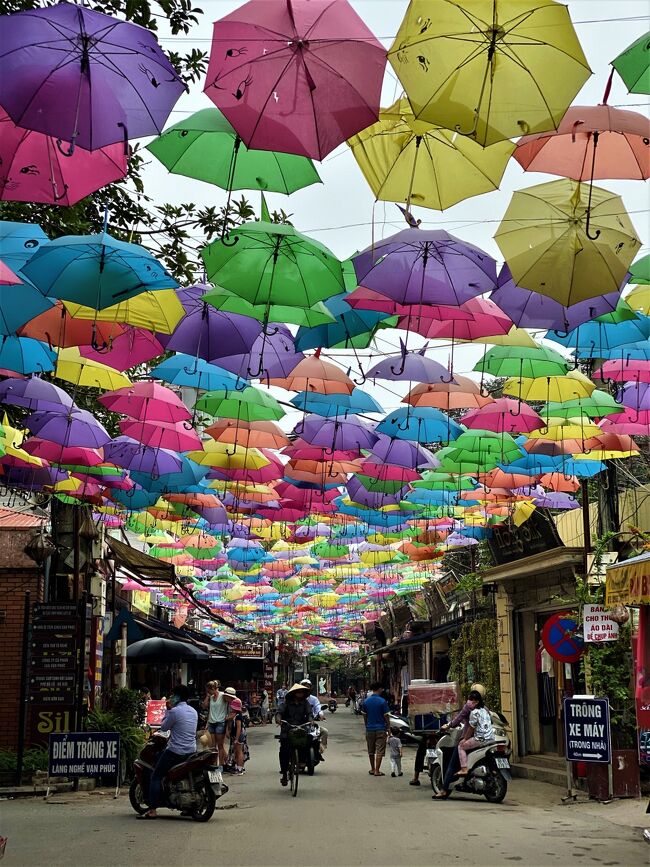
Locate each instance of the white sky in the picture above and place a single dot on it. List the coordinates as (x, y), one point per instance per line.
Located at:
(339, 213)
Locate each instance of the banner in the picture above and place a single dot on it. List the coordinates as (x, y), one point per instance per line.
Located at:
(84, 754)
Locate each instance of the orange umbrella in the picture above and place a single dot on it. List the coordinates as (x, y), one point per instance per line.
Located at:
(560, 482)
(463, 393)
(316, 374)
(58, 328)
(249, 434)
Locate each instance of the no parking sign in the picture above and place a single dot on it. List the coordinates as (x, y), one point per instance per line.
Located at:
(561, 637)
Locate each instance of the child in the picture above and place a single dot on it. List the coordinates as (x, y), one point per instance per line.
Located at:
(395, 752)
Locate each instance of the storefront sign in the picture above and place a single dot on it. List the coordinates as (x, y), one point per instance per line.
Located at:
(598, 626)
(156, 710)
(586, 730)
(509, 543)
(84, 754)
(54, 663)
(629, 583)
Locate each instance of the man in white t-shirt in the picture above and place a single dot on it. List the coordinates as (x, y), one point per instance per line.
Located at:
(217, 704)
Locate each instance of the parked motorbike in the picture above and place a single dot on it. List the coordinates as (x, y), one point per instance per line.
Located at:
(332, 705)
(402, 727)
(488, 766)
(193, 786)
(358, 704)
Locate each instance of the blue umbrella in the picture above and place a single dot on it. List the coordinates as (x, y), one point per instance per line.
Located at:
(193, 372)
(335, 404)
(582, 469)
(95, 270)
(593, 338)
(19, 242)
(20, 302)
(25, 355)
(352, 328)
(424, 424)
(629, 352)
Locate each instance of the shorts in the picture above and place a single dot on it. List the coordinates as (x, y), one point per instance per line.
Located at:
(218, 728)
(376, 741)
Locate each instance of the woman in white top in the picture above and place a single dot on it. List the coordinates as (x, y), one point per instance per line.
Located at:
(479, 729)
(218, 703)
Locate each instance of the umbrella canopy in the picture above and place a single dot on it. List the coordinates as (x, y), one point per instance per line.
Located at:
(546, 239)
(210, 334)
(294, 77)
(77, 427)
(160, 310)
(406, 160)
(84, 77)
(591, 142)
(146, 400)
(34, 169)
(19, 242)
(504, 415)
(633, 65)
(488, 68)
(59, 328)
(74, 368)
(133, 346)
(425, 267)
(133, 455)
(206, 147)
(19, 302)
(95, 270)
(153, 650)
(410, 367)
(250, 404)
(316, 374)
(181, 369)
(34, 394)
(226, 300)
(24, 355)
(541, 361)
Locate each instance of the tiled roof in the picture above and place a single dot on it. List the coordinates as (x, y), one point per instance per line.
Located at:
(18, 520)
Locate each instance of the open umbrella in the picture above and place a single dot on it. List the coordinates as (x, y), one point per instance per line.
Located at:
(406, 160)
(159, 650)
(24, 355)
(410, 367)
(146, 401)
(130, 348)
(492, 70)
(84, 77)
(206, 147)
(294, 77)
(567, 240)
(181, 369)
(250, 404)
(160, 311)
(633, 65)
(210, 334)
(34, 169)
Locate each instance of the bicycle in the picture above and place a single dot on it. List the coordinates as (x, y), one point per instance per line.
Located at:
(298, 741)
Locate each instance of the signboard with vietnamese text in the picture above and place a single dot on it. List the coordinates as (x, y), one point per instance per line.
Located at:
(84, 754)
(598, 626)
(156, 710)
(586, 729)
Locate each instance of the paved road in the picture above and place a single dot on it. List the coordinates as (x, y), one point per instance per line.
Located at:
(341, 817)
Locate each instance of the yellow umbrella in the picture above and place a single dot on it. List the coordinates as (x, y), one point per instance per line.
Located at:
(567, 240)
(74, 368)
(553, 389)
(639, 299)
(522, 512)
(228, 457)
(406, 160)
(565, 429)
(10, 436)
(492, 69)
(157, 311)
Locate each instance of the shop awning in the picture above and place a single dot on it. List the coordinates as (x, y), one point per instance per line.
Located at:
(628, 583)
(539, 564)
(421, 638)
(140, 564)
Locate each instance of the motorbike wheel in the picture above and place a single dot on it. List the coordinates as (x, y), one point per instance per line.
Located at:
(311, 762)
(136, 797)
(435, 774)
(203, 812)
(496, 788)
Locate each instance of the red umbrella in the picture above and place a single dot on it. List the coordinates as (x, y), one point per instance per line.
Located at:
(58, 328)
(296, 77)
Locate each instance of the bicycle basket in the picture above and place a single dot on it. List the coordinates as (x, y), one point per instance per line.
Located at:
(298, 739)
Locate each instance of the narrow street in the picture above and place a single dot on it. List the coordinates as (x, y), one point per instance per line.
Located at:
(341, 817)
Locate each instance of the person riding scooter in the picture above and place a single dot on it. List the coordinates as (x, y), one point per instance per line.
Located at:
(461, 719)
(318, 715)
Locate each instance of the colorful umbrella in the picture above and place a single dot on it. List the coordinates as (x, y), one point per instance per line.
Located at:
(293, 77)
(34, 394)
(633, 65)
(206, 147)
(24, 355)
(76, 427)
(250, 404)
(410, 367)
(130, 348)
(146, 401)
(84, 77)
(184, 370)
(160, 311)
(210, 334)
(490, 70)
(34, 169)
(74, 368)
(504, 415)
(541, 361)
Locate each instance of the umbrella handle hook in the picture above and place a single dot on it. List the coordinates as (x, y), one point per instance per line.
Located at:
(513, 413)
(58, 198)
(243, 387)
(255, 374)
(448, 381)
(404, 425)
(69, 151)
(363, 377)
(227, 241)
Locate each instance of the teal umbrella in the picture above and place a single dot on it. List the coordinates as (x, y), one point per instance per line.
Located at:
(95, 270)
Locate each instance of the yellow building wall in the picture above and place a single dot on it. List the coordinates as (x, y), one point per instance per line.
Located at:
(634, 509)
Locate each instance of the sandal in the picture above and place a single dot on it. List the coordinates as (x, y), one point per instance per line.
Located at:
(146, 816)
(440, 796)
(380, 774)
(414, 783)
(284, 781)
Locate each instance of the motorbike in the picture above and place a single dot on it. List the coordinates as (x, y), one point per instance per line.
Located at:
(194, 786)
(332, 705)
(358, 705)
(488, 765)
(401, 726)
(310, 756)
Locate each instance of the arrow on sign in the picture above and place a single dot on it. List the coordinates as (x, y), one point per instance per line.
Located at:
(592, 755)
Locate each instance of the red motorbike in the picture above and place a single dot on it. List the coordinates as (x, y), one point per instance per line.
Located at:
(194, 786)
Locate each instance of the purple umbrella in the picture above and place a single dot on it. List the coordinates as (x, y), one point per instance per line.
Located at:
(31, 478)
(532, 310)
(272, 355)
(401, 453)
(410, 367)
(211, 334)
(636, 395)
(426, 267)
(84, 77)
(132, 455)
(76, 427)
(35, 394)
(556, 500)
(333, 434)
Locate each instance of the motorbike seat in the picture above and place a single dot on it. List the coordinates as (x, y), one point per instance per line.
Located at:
(481, 746)
(176, 772)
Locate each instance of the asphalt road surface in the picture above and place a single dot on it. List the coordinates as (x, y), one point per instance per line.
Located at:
(341, 817)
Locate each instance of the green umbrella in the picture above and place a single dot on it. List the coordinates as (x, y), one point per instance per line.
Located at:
(597, 405)
(640, 271)
(633, 65)
(230, 302)
(479, 451)
(622, 313)
(436, 481)
(273, 264)
(206, 147)
(251, 404)
(527, 362)
(380, 486)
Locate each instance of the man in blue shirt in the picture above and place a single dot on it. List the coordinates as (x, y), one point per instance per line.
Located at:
(180, 721)
(375, 714)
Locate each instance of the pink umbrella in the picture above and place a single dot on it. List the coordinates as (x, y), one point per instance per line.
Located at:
(161, 435)
(7, 276)
(624, 370)
(505, 415)
(367, 299)
(630, 423)
(133, 346)
(146, 400)
(34, 169)
(487, 320)
(296, 77)
(63, 454)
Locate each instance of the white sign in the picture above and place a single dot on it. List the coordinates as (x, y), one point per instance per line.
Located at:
(597, 624)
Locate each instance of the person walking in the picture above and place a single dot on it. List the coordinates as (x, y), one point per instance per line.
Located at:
(375, 712)
(395, 754)
(217, 704)
(265, 705)
(239, 752)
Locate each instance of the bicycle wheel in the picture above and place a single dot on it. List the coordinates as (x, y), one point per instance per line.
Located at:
(294, 771)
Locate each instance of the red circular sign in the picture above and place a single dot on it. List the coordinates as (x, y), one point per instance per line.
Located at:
(561, 637)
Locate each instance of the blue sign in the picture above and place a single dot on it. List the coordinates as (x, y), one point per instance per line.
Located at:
(586, 730)
(84, 754)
